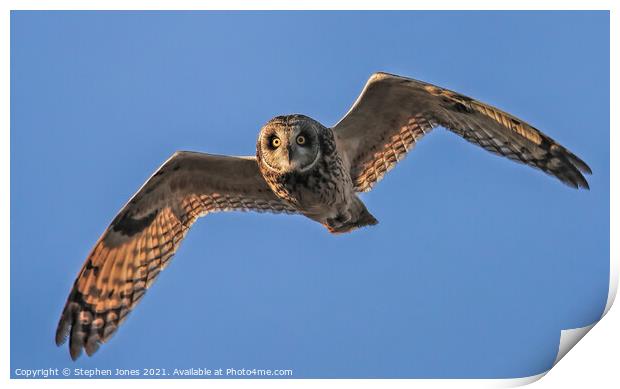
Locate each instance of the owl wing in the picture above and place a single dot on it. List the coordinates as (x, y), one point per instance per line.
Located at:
(146, 233)
(392, 113)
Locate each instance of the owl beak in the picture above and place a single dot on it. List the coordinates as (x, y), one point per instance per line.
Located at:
(292, 163)
(289, 153)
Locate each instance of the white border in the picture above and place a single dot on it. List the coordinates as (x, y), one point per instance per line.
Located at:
(308, 5)
(568, 338)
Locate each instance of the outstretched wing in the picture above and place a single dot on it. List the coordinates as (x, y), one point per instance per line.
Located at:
(392, 113)
(146, 233)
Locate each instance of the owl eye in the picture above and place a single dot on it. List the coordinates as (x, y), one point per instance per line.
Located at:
(301, 140)
(276, 142)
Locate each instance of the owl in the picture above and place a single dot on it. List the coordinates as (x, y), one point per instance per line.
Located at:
(300, 167)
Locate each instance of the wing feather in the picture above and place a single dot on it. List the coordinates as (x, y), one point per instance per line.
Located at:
(146, 233)
(392, 113)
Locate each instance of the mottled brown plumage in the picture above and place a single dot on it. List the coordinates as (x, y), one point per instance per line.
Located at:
(145, 234)
(393, 113)
(321, 188)
(300, 167)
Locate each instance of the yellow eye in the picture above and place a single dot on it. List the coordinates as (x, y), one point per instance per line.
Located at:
(301, 140)
(276, 142)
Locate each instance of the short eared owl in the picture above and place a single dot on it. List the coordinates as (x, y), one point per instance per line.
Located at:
(300, 167)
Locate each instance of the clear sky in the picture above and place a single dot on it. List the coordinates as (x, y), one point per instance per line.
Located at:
(477, 262)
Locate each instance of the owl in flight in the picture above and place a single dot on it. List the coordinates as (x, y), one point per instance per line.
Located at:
(300, 167)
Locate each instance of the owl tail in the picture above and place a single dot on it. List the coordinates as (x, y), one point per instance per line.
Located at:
(360, 218)
(365, 218)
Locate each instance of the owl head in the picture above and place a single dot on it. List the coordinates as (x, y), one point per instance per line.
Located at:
(289, 144)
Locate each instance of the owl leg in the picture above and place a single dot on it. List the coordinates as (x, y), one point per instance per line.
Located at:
(337, 224)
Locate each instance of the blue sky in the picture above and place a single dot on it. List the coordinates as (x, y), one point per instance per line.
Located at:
(475, 267)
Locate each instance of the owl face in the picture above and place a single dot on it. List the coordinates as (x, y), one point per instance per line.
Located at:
(289, 144)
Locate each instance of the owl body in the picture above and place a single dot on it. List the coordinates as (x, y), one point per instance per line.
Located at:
(319, 185)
